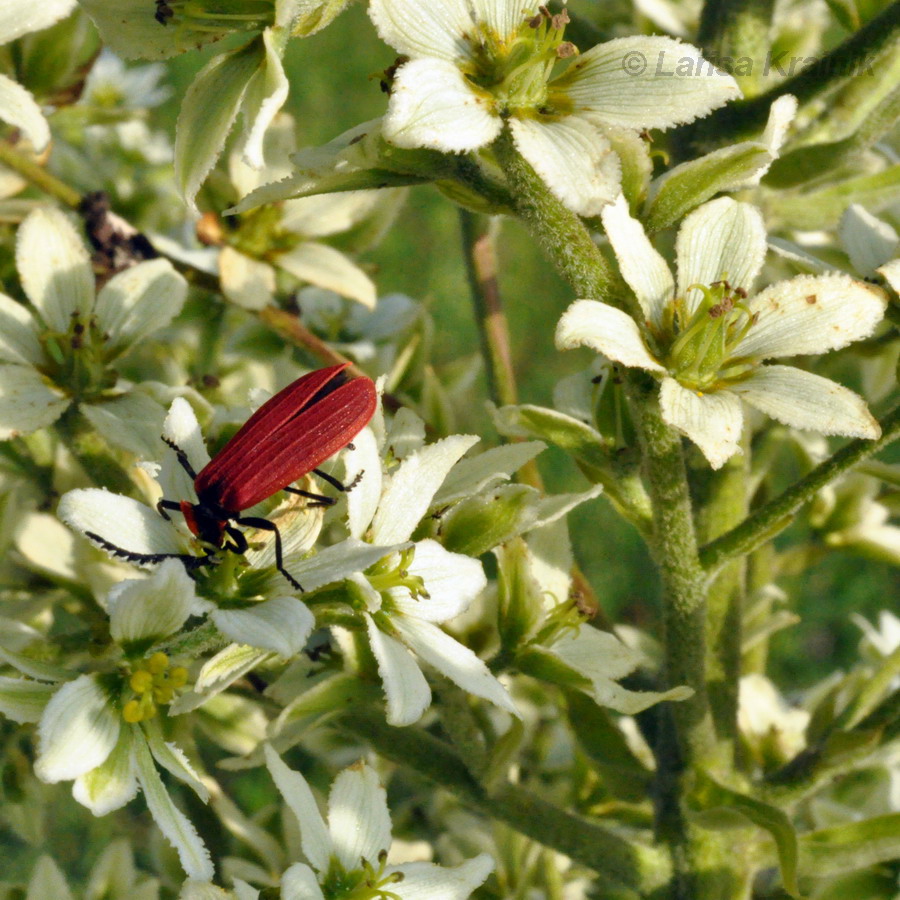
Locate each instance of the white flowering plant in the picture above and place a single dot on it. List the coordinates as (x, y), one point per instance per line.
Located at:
(325, 575)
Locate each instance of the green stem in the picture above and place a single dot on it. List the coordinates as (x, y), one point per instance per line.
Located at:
(33, 172)
(736, 29)
(560, 233)
(642, 868)
(778, 513)
(845, 61)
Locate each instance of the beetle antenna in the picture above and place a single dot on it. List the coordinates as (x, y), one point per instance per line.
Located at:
(182, 459)
(266, 525)
(190, 561)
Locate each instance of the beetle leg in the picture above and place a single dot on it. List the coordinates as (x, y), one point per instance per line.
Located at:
(182, 457)
(339, 485)
(266, 525)
(238, 540)
(163, 505)
(317, 499)
(190, 562)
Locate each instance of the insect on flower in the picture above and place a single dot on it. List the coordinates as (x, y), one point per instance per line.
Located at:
(286, 438)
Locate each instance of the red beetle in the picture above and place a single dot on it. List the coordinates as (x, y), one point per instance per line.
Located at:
(285, 439)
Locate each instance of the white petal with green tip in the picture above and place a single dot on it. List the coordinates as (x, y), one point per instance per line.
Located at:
(27, 403)
(358, 817)
(645, 82)
(132, 421)
(433, 105)
(111, 785)
(18, 334)
(299, 882)
(808, 401)
(573, 158)
(121, 521)
(328, 268)
(607, 330)
(77, 732)
(868, 240)
(24, 700)
(405, 689)
(151, 608)
(452, 659)
(54, 268)
(139, 301)
(413, 485)
(281, 625)
(642, 266)
(723, 239)
(17, 18)
(811, 314)
(712, 421)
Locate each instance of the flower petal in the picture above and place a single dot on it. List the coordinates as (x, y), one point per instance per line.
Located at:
(891, 273)
(645, 82)
(54, 268)
(17, 19)
(139, 301)
(868, 240)
(811, 314)
(574, 160)
(120, 521)
(340, 561)
(412, 487)
(424, 29)
(405, 688)
(432, 105)
(151, 608)
(173, 823)
(24, 700)
(804, 400)
(712, 421)
(328, 268)
(358, 817)
(19, 108)
(426, 881)
(132, 421)
(607, 330)
(173, 759)
(265, 95)
(475, 474)
(18, 334)
(110, 785)
(77, 732)
(781, 115)
(299, 882)
(247, 282)
(281, 625)
(642, 267)
(453, 659)
(26, 402)
(721, 239)
(362, 501)
(315, 838)
(452, 580)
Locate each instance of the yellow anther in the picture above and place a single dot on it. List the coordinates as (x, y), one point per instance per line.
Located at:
(132, 712)
(141, 681)
(158, 663)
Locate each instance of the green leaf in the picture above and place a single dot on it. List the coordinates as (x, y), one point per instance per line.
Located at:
(687, 186)
(711, 800)
(845, 12)
(519, 598)
(210, 108)
(831, 851)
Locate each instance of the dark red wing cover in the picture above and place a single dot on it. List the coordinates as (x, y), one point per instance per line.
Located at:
(287, 437)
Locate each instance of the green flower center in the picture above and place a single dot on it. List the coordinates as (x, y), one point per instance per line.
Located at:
(153, 683)
(703, 340)
(366, 883)
(514, 69)
(76, 360)
(393, 572)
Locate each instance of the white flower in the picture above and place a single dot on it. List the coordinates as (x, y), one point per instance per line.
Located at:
(102, 730)
(61, 353)
(774, 731)
(293, 236)
(17, 106)
(475, 64)
(707, 340)
(351, 846)
(129, 529)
